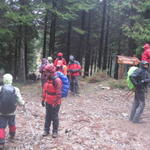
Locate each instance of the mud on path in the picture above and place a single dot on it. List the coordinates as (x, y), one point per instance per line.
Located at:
(97, 120)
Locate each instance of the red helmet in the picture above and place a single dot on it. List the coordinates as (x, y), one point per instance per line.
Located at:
(50, 68)
(146, 46)
(60, 54)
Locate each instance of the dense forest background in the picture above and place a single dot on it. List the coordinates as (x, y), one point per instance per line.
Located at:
(92, 30)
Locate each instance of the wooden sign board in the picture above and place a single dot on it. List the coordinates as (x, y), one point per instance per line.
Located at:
(127, 60)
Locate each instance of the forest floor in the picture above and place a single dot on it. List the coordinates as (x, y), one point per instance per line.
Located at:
(97, 120)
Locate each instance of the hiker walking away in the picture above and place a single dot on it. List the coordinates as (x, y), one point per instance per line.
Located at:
(74, 69)
(60, 59)
(41, 70)
(51, 100)
(140, 79)
(10, 96)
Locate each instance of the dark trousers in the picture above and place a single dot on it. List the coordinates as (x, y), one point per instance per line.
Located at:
(74, 86)
(51, 116)
(138, 105)
(4, 121)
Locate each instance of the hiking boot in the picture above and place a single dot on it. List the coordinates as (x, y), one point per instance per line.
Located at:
(135, 121)
(45, 133)
(12, 138)
(54, 135)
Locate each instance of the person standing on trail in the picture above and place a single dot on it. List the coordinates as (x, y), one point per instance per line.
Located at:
(60, 63)
(146, 53)
(59, 59)
(74, 69)
(10, 96)
(51, 100)
(41, 70)
(140, 79)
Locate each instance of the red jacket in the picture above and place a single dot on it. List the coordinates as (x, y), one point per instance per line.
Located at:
(57, 59)
(52, 91)
(146, 55)
(74, 68)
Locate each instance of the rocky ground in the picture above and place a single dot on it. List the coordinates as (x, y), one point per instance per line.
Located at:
(97, 120)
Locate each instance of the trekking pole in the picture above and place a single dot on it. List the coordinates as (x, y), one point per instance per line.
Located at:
(26, 114)
(126, 96)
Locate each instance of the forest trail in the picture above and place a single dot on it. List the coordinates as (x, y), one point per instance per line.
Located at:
(97, 120)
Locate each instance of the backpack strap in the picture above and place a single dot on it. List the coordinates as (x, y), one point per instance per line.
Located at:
(53, 79)
(3, 87)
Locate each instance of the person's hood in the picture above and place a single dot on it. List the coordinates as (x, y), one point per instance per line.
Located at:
(7, 79)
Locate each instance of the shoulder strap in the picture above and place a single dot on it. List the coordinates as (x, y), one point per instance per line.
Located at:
(53, 79)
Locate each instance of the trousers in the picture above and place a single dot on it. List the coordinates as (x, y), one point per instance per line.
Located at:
(51, 117)
(138, 106)
(4, 121)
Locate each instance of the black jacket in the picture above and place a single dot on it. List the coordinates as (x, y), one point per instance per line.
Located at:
(140, 77)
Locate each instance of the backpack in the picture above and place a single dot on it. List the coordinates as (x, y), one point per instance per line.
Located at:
(65, 83)
(129, 73)
(8, 99)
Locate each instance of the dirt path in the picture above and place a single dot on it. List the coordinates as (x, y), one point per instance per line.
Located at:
(98, 120)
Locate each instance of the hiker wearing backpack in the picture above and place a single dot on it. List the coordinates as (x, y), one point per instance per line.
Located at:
(74, 69)
(10, 96)
(140, 79)
(51, 100)
(41, 70)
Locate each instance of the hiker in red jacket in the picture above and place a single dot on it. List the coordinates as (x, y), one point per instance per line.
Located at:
(60, 59)
(74, 69)
(146, 53)
(51, 100)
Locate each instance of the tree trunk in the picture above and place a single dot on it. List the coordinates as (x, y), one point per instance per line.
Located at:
(16, 58)
(68, 39)
(102, 34)
(26, 51)
(45, 35)
(131, 43)
(88, 47)
(21, 73)
(105, 60)
(52, 30)
(81, 38)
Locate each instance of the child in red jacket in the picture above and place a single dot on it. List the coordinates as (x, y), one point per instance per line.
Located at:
(52, 100)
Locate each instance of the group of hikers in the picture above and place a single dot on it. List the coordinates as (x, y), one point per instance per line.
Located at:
(72, 70)
(56, 78)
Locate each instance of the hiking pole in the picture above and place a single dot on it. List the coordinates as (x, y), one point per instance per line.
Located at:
(126, 96)
(26, 114)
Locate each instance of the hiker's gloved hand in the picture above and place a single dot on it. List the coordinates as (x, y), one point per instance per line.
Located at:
(43, 103)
